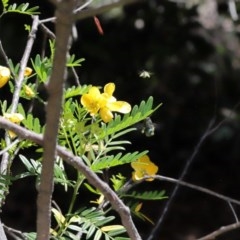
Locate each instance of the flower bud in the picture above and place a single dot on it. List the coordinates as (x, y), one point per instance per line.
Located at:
(4, 75)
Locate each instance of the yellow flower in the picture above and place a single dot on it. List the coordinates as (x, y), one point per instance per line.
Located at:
(4, 75)
(93, 100)
(28, 91)
(112, 105)
(104, 103)
(14, 118)
(27, 71)
(143, 167)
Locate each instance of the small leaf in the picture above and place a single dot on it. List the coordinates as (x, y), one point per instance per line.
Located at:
(112, 228)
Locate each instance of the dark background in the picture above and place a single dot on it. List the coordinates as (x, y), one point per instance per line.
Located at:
(195, 74)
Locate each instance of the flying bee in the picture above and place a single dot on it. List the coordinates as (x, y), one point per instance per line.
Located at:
(145, 74)
(148, 127)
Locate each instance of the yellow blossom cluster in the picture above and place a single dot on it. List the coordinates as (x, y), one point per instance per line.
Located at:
(143, 167)
(104, 103)
(5, 74)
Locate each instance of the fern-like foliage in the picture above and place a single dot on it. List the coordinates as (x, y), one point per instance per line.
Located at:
(146, 195)
(29, 121)
(5, 182)
(91, 223)
(115, 160)
(72, 62)
(5, 4)
(75, 91)
(23, 8)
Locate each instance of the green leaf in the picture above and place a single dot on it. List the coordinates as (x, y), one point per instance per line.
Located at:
(22, 9)
(98, 235)
(76, 91)
(112, 161)
(147, 195)
(5, 4)
(72, 62)
(42, 67)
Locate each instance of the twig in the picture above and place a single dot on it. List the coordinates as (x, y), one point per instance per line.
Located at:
(15, 142)
(77, 163)
(53, 110)
(198, 188)
(13, 233)
(82, 6)
(233, 211)
(96, 11)
(4, 54)
(220, 231)
(23, 64)
(182, 183)
(81, 14)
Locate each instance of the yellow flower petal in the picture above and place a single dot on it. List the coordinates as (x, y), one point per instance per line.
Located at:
(27, 71)
(93, 100)
(28, 91)
(143, 167)
(14, 117)
(105, 114)
(119, 106)
(4, 75)
(109, 88)
(138, 207)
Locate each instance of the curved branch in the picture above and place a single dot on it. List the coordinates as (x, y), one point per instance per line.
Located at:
(77, 163)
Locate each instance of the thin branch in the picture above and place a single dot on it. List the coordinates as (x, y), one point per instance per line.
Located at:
(23, 64)
(4, 54)
(47, 31)
(233, 211)
(220, 231)
(198, 188)
(82, 6)
(129, 186)
(92, 177)
(53, 110)
(13, 232)
(81, 14)
(100, 10)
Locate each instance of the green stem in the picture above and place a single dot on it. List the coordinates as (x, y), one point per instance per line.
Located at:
(75, 192)
(68, 215)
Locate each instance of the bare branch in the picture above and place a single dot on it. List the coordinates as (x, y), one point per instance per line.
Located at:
(77, 163)
(23, 64)
(96, 11)
(55, 87)
(220, 231)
